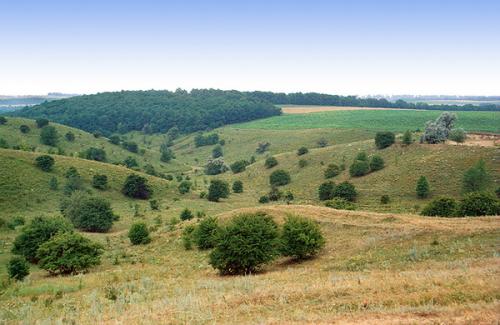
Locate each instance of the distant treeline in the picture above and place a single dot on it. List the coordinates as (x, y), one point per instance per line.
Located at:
(335, 100)
(153, 111)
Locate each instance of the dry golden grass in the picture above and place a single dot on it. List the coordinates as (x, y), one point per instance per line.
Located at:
(375, 268)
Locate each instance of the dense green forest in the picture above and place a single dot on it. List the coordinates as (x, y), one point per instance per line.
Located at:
(153, 111)
(335, 100)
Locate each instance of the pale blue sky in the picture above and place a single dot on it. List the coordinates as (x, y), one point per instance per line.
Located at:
(338, 47)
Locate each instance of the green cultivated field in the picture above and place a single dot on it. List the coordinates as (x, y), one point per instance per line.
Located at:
(393, 120)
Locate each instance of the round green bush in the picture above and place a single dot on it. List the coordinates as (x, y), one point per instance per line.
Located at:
(88, 213)
(137, 187)
(332, 170)
(441, 207)
(184, 187)
(100, 182)
(238, 187)
(247, 243)
(264, 199)
(376, 163)
(359, 168)
(186, 214)
(279, 177)
(457, 135)
(325, 191)
(340, 204)
(301, 238)
(205, 234)
(217, 190)
(139, 234)
(270, 162)
(41, 122)
(49, 136)
(302, 151)
(346, 191)
(18, 268)
(239, 166)
(37, 232)
(69, 253)
(44, 162)
(24, 128)
(384, 139)
(70, 136)
(479, 204)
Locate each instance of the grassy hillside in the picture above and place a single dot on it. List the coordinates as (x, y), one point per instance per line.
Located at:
(401, 268)
(392, 120)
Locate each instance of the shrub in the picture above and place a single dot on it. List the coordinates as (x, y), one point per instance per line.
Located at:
(4, 144)
(137, 187)
(210, 139)
(247, 243)
(362, 156)
(457, 135)
(215, 166)
(479, 204)
(476, 178)
(187, 236)
(70, 136)
(288, 197)
(167, 155)
(407, 138)
(359, 168)
(74, 181)
(38, 231)
(238, 187)
(149, 169)
(130, 146)
(44, 162)
(217, 152)
(437, 131)
(376, 163)
(184, 187)
(325, 191)
(100, 182)
(139, 234)
(441, 207)
(154, 205)
(384, 139)
(41, 122)
(3, 120)
(497, 192)
(114, 139)
(279, 177)
(384, 199)
(96, 154)
(301, 238)
(346, 191)
(217, 190)
(49, 136)
(322, 143)
(262, 147)
(274, 194)
(302, 163)
(18, 268)
(53, 184)
(332, 170)
(186, 214)
(68, 253)
(340, 204)
(302, 151)
(239, 166)
(24, 128)
(270, 162)
(422, 188)
(205, 235)
(264, 199)
(88, 213)
(130, 162)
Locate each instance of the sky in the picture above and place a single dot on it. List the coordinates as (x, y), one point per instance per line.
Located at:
(357, 47)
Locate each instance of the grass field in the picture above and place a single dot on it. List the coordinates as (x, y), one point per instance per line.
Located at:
(391, 120)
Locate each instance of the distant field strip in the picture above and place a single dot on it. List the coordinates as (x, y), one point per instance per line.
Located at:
(393, 120)
(299, 109)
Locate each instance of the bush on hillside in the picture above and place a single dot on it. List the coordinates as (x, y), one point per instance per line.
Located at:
(346, 191)
(45, 162)
(3, 120)
(41, 122)
(479, 204)
(340, 204)
(205, 234)
(96, 154)
(88, 213)
(438, 131)
(476, 178)
(441, 207)
(217, 190)
(137, 187)
(70, 136)
(264, 199)
(384, 199)
(115, 139)
(239, 166)
(201, 140)
(302, 151)
(422, 188)
(359, 168)
(270, 162)
(139, 234)
(325, 191)
(384, 139)
(407, 138)
(38, 231)
(332, 170)
(217, 152)
(186, 214)
(49, 136)
(187, 236)
(302, 163)
(69, 253)
(24, 128)
(184, 187)
(74, 181)
(18, 268)
(100, 182)
(238, 187)
(130, 162)
(130, 146)
(362, 156)
(457, 135)
(301, 238)
(53, 183)
(322, 143)
(215, 166)
(274, 194)
(245, 244)
(167, 155)
(288, 197)
(149, 169)
(376, 163)
(262, 147)
(279, 177)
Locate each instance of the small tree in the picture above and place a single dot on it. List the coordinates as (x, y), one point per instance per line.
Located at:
(139, 234)
(96, 154)
(69, 253)
(130, 162)
(217, 152)
(301, 238)
(41, 122)
(457, 135)
(205, 235)
(186, 214)
(100, 182)
(384, 139)
(215, 166)
(359, 168)
(137, 187)
(407, 138)
(437, 131)
(376, 163)
(302, 151)
(346, 191)
(218, 189)
(476, 178)
(325, 191)
(18, 268)
(423, 188)
(167, 155)
(24, 128)
(479, 204)
(184, 187)
(44, 162)
(247, 243)
(70, 136)
(238, 186)
(88, 213)
(332, 170)
(270, 162)
(115, 139)
(239, 166)
(279, 177)
(49, 136)
(441, 207)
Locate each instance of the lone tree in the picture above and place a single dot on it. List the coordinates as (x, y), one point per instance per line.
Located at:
(423, 188)
(137, 187)
(217, 190)
(384, 139)
(88, 213)
(139, 234)
(279, 177)
(476, 178)
(301, 238)
(49, 136)
(437, 131)
(239, 166)
(44, 162)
